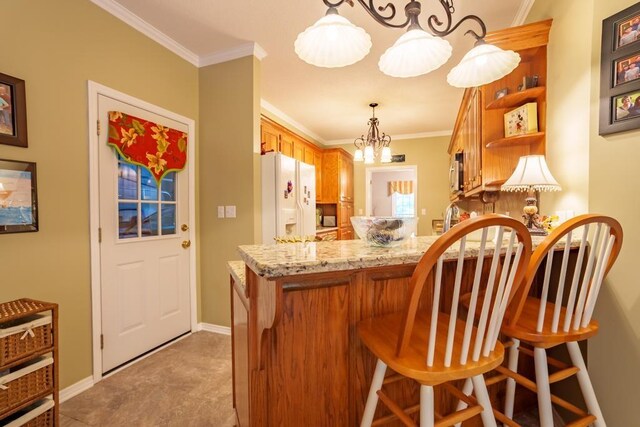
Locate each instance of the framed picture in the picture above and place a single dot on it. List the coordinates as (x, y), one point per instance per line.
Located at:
(620, 72)
(18, 197)
(13, 111)
(627, 69)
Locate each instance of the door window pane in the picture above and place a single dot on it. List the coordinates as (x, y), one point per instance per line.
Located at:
(127, 181)
(148, 185)
(168, 219)
(169, 187)
(149, 219)
(127, 220)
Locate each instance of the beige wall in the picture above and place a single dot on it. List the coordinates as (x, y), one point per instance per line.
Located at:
(431, 158)
(56, 47)
(567, 99)
(229, 141)
(611, 163)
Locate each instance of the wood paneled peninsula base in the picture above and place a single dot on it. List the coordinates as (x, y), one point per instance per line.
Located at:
(297, 359)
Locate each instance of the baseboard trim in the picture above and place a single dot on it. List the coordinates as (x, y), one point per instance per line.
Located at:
(75, 389)
(216, 329)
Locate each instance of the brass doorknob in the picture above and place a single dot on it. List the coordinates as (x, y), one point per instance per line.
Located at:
(186, 244)
(184, 227)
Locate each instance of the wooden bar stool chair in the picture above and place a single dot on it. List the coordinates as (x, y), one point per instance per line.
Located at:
(562, 314)
(435, 347)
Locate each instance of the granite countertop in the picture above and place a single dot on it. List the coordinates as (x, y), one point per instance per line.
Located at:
(289, 259)
(237, 271)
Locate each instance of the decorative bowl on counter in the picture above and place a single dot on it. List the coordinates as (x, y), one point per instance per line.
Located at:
(384, 231)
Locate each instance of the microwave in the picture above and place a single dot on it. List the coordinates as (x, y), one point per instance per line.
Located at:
(456, 172)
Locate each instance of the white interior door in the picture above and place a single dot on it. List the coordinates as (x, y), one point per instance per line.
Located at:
(144, 255)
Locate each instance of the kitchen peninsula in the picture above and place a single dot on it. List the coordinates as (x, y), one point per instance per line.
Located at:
(296, 354)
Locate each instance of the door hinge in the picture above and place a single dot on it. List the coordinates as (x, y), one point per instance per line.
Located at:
(98, 127)
(99, 234)
(101, 341)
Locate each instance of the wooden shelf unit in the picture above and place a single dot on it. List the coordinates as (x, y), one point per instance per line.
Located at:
(516, 99)
(489, 157)
(512, 141)
(29, 362)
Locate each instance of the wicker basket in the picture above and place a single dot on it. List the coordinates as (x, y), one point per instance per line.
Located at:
(26, 383)
(40, 414)
(18, 341)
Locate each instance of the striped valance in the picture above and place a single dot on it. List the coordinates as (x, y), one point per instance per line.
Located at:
(402, 187)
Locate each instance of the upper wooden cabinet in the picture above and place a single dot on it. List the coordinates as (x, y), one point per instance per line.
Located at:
(277, 138)
(489, 157)
(337, 176)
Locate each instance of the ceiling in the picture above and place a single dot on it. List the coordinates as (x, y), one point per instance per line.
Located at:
(329, 104)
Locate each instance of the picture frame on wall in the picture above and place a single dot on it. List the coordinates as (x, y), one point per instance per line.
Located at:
(13, 111)
(18, 197)
(620, 72)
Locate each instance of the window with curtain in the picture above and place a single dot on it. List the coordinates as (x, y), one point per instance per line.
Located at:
(403, 201)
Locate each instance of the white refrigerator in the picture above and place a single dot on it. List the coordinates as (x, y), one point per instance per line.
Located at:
(288, 197)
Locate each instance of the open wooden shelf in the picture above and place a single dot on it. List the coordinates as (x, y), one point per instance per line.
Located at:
(516, 99)
(516, 140)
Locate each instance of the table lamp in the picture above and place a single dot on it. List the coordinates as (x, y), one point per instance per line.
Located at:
(532, 174)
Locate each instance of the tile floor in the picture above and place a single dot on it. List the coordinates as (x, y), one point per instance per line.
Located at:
(185, 384)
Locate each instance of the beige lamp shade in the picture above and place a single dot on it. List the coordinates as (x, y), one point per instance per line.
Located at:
(532, 173)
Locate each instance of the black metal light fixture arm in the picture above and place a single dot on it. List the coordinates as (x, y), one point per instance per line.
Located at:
(382, 14)
(434, 22)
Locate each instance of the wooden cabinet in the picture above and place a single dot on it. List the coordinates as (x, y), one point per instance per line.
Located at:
(29, 363)
(270, 137)
(298, 149)
(327, 235)
(317, 162)
(286, 144)
(489, 157)
(337, 176)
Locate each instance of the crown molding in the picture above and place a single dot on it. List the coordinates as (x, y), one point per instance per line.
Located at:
(401, 137)
(246, 49)
(134, 21)
(523, 12)
(277, 113)
(139, 24)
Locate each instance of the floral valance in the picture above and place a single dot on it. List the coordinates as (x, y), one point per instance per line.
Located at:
(402, 187)
(157, 148)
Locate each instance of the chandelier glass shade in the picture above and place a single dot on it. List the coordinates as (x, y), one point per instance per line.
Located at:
(375, 145)
(333, 41)
(483, 64)
(416, 52)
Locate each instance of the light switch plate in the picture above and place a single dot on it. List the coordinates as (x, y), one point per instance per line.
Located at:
(423, 211)
(220, 211)
(230, 211)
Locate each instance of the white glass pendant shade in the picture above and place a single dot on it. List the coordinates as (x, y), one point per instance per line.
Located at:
(369, 155)
(483, 64)
(415, 53)
(385, 155)
(332, 42)
(358, 156)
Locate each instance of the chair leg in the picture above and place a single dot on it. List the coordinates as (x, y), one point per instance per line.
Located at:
(585, 384)
(510, 394)
(544, 389)
(467, 389)
(372, 399)
(488, 420)
(427, 410)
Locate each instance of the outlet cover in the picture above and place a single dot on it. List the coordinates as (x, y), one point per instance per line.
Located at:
(220, 211)
(230, 211)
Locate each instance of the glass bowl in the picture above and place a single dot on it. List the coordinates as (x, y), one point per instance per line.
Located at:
(384, 231)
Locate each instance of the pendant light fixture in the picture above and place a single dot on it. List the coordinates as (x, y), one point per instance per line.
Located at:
(375, 145)
(415, 53)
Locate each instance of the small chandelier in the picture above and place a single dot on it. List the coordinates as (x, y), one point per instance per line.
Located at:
(375, 145)
(334, 42)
